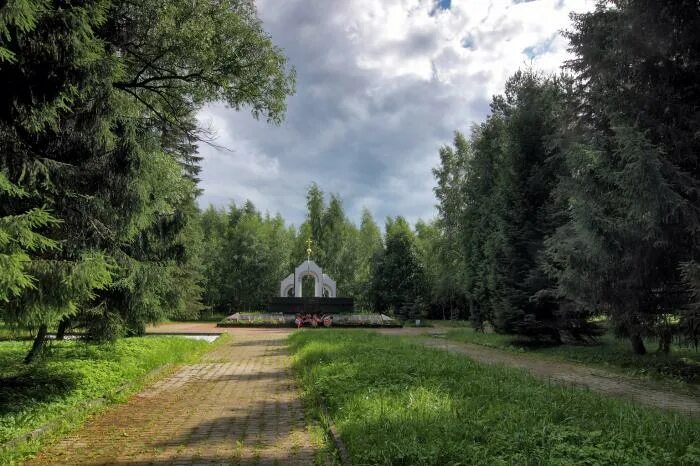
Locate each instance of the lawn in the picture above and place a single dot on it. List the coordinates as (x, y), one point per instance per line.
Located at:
(57, 387)
(681, 363)
(9, 333)
(395, 402)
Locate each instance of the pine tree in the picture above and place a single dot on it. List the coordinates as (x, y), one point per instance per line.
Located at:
(496, 202)
(105, 142)
(632, 157)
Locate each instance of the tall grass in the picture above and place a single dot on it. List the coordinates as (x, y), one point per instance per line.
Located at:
(57, 387)
(403, 404)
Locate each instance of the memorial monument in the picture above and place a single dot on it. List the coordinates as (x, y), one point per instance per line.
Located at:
(324, 308)
(324, 300)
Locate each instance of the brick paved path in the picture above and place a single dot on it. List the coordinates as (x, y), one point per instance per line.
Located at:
(239, 406)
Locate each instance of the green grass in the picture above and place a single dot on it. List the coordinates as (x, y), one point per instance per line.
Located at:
(9, 333)
(399, 403)
(608, 352)
(207, 318)
(71, 373)
(449, 323)
(412, 323)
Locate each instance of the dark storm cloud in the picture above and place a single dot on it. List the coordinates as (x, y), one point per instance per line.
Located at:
(379, 90)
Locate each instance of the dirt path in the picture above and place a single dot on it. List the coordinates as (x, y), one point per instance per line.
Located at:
(238, 406)
(597, 380)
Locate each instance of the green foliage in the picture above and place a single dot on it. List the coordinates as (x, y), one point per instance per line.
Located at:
(397, 403)
(19, 17)
(578, 195)
(444, 255)
(245, 255)
(497, 209)
(179, 54)
(58, 289)
(398, 277)
(106, 143)
(57, 388)
(339, 247)
(32, 33)
(522, 122)
(368, 243)
(631, 155)
(19, 238)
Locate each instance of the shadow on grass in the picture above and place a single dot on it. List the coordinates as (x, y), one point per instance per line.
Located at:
(533, 344)
(396, 403)
(37, 384)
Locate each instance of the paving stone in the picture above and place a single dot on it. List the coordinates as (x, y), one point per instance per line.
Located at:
(238, 406)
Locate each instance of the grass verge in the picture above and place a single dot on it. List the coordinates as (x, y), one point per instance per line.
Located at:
(9, 333)
(395, 402)
(319, 432)
(59, 388)
(682, 364)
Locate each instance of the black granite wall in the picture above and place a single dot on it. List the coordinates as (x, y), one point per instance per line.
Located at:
(311, 305)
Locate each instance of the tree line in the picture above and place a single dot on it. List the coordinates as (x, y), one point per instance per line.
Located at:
(577, 198)
(246, 253)
(98, 159)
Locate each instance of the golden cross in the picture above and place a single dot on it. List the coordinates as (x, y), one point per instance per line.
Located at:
(308, 248)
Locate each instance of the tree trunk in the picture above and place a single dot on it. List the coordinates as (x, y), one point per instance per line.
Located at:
(637, 344)
(38, 344)
(665, 343)
(62, 327)
(556, 337)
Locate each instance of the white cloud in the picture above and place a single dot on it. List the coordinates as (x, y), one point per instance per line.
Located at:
(381, 86)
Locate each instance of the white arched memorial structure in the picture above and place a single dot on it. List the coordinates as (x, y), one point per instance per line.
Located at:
(324, 286)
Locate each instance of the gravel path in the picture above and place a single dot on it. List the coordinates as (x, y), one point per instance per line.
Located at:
(597, 380)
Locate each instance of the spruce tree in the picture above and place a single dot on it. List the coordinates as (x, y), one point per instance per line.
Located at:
(398, 283)
(105, 142)
(496, 197)
(631, 152)
(19, 236)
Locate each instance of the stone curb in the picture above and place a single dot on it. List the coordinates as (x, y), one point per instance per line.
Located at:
(337, 439)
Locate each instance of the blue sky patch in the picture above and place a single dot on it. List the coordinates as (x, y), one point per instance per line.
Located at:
(540, 48)
(468, 42)
(441, 5)
(444, 4)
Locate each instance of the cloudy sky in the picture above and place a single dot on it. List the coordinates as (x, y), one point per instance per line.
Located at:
(381, 85)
